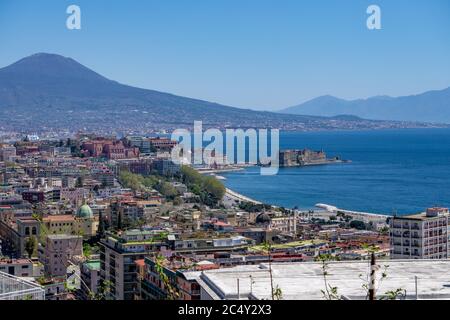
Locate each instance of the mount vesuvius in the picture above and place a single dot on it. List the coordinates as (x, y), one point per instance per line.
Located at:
(51, 92)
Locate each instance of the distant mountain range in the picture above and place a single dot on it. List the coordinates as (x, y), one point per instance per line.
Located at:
(46, 92)
(431, 106)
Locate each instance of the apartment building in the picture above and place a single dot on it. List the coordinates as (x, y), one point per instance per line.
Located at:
(19, 267)
(420, 236)
(118, 253)
(58, 251)
(129, 211)
(90, 275)
(7, 153)
(183, 282)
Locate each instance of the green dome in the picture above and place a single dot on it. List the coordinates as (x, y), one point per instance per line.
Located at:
(85, 212)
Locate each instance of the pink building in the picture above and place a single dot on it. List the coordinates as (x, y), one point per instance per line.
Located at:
(58, 251)
(109, 149)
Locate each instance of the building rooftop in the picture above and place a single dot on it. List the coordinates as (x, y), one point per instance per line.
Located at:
(14, 288)
(417, 216)
(93, 264)
(304, 281)
(14, 261)
(62, 236)
(58, 218)
(429, 214)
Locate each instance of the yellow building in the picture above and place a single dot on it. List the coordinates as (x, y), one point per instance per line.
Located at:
(83, 223)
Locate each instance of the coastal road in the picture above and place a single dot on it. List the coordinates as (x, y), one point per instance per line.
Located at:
(232, 196)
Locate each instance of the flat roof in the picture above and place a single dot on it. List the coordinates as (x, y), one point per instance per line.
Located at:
(93, 264)
(53, 218)
(304, 281)
(62, 236)
(15, 261)
(418, 216)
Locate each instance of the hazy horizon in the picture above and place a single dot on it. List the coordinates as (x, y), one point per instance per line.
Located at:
(256, 55)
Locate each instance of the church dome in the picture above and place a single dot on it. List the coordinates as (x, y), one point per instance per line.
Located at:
(263, 218)
(85, 212)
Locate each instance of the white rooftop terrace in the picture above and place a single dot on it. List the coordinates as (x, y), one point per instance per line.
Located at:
(304, 281)
(14, 288)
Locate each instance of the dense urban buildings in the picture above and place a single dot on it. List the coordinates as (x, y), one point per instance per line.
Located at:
(94, 217)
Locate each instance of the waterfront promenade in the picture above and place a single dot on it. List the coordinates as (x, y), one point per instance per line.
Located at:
(362, 216)
(234, 196)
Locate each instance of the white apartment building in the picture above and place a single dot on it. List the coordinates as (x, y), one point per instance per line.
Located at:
(420, 236)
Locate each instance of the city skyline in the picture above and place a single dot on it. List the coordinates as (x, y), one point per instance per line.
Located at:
(224, 150)
(255, 55)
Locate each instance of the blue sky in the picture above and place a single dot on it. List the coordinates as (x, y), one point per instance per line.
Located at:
(258, 54)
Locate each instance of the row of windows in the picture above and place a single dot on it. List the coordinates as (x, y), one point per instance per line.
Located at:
(33, 231)
(61, 224)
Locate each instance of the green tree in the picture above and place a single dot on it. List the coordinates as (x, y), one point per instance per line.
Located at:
(80, 182)
(191, 176)
(359, 225)
(330, 292)
(87, 250)
(30, 246)
(177, 201)
(267, 247)
(103, 291)
(172, 291)
(167, 190)
(214, 187)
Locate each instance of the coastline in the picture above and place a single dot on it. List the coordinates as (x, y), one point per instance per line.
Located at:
(378, 182)
(325, 210)
(356, 215)
(233, 195)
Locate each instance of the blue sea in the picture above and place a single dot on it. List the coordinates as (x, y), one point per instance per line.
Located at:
(392, 171)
